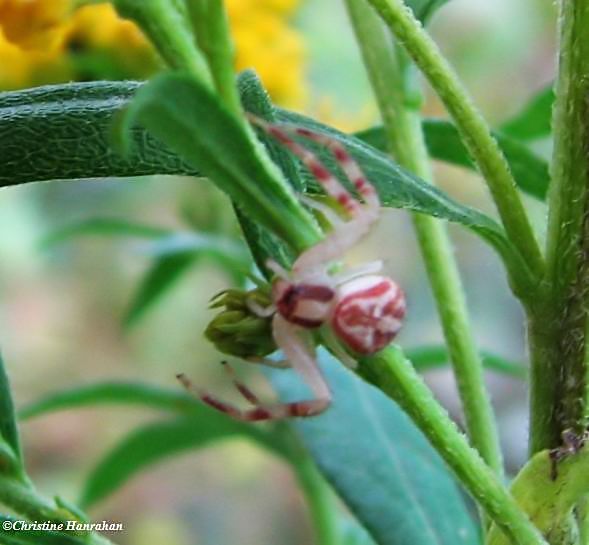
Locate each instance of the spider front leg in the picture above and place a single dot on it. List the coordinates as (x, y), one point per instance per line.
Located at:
(301, 358)
(344, 235)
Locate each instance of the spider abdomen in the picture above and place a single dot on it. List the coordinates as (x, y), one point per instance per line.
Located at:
(368, 313)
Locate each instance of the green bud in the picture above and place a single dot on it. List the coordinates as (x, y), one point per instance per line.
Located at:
(237, 330)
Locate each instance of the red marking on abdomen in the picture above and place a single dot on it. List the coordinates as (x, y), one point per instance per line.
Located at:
(369, 314)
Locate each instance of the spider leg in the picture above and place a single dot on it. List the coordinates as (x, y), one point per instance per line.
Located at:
(373, 267)
(329, 214)
(301, 358)
(348, 165)
(332, 186)
(333, 246)
(244, 390)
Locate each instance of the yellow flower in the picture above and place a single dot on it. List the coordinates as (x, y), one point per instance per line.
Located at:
(34, 24)
(48, 36)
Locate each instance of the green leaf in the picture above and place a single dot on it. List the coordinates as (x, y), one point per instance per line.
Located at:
(179, 111)
(424, 9)
(535, 120)
(175, 254)
(8, 427)
(353, 534)
(155, 442)
(262, 242)
(80, 114)
(444, 143)
(103, 226)
(35, 537)
(380, 464)
(65, 127)
(431, 357)
(398, 188)
(107, 393)
(549, 492)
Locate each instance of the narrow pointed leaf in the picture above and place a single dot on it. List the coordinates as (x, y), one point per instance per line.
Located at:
(113, 393)
(8, 426)
(175, 255)
(117, 227)
(434, 356)
(66, 129)
(444, 143)
(380, 464)
(424, 9)
(155, 442)
(535, 120)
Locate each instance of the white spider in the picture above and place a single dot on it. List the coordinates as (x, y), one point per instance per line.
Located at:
(362, 309)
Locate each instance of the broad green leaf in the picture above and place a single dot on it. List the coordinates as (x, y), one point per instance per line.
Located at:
(353, 534)
(175, 254)
(431, 357)
(108, 393)
(549, 493)
(66, 128)
(179, 111)
(10, 454)
(380, 464)
(154, 442)
(444, 143)
(35, 537)
(104, 226)
(535, 120)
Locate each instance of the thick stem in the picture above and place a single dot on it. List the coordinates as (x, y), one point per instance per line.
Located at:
(395, 376)
(473, 129)
(167, 25)
(320, 501)
(558, 328)
(391, 77)
(211, 24)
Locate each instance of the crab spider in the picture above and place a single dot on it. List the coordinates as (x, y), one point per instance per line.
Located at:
(363, 309)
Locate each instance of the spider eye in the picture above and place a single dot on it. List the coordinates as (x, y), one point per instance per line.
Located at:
(369, 313)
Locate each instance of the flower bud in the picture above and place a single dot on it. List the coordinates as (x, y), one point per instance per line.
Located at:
(237, 330)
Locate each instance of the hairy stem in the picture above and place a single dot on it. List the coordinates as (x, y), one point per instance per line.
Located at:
(210, 22)
(558, 326)
(473, 128)
(396, 377)
(168, 27)
(391, 75)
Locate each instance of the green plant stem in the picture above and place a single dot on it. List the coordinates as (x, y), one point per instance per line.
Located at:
(320, 500)
(391, 76)
(558, 328)
(210, 22)
(473, 128)
(167, 25)
(24, 500)
(392, 373)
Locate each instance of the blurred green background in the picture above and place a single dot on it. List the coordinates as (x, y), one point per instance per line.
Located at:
(62, 307)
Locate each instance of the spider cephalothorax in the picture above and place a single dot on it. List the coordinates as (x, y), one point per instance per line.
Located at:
(363, 309)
